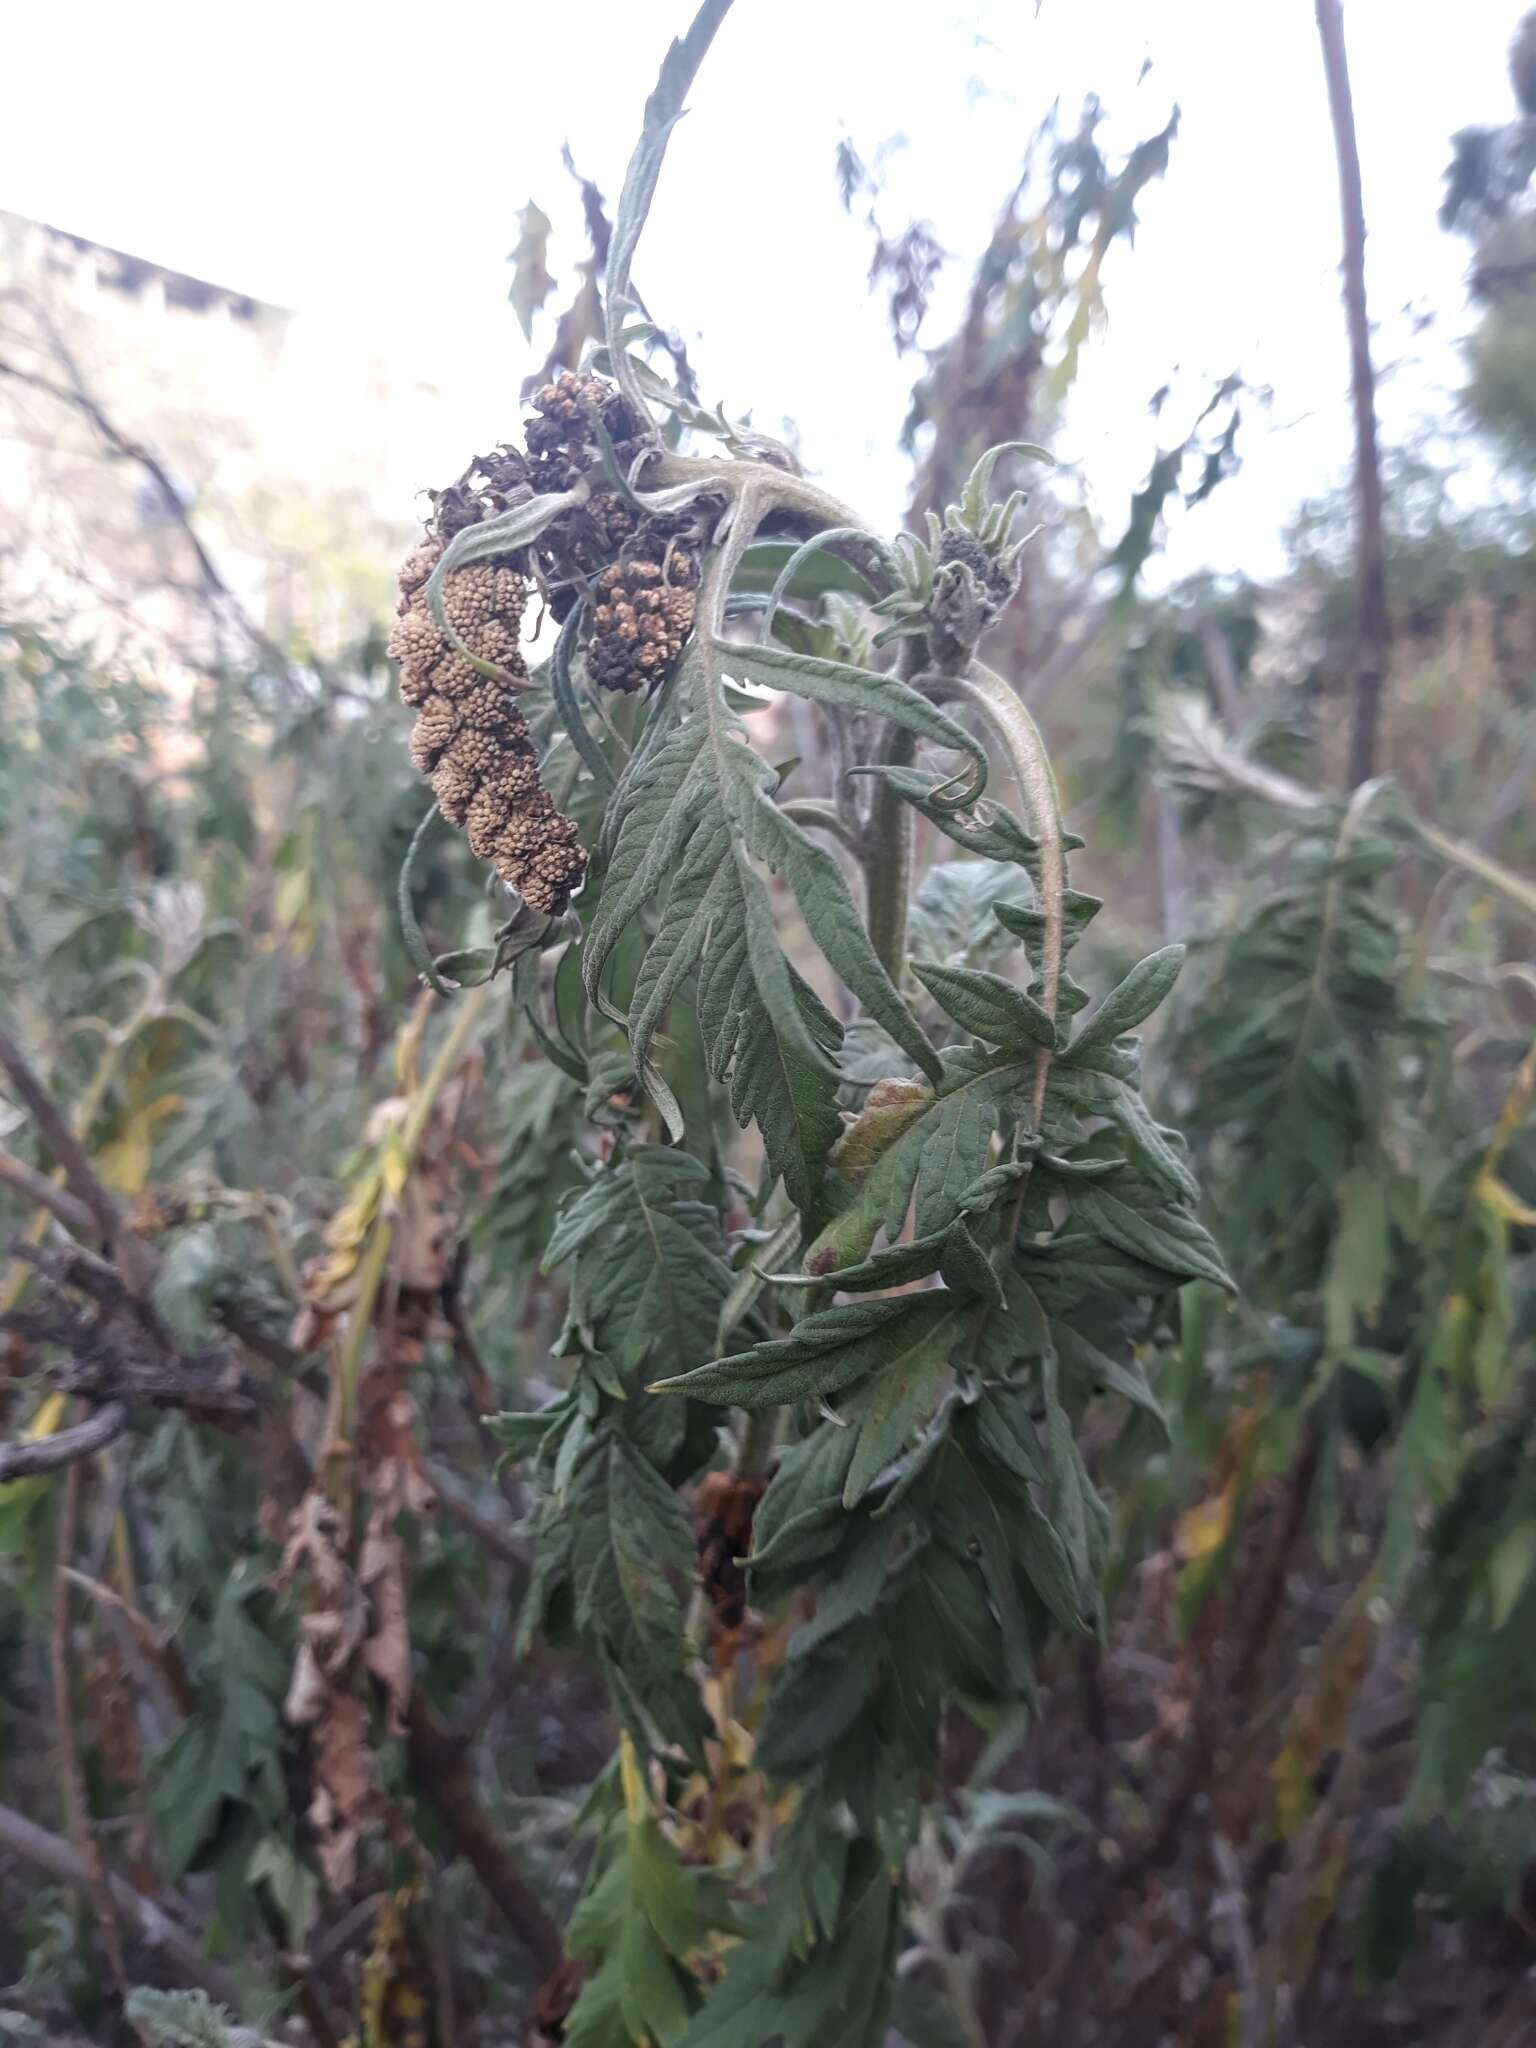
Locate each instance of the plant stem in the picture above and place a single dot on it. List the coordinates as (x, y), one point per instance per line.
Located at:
(759, 1435)
(84, 1116)
(1018, 739)
(376, 1254)
(1373, 630)
(822, 817)
(887, 861)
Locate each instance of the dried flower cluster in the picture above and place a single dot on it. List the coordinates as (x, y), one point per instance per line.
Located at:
(470, 736)
(644, 570)
(560, 441)
(644, 613)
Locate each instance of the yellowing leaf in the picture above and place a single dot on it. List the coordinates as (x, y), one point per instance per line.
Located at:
(1203, 1528)
(50, 1413)
(395, 1164)
(124, 1161)
(1503, 1202)
(636, 1805)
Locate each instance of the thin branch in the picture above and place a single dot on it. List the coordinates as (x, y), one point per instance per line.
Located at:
(160, 1649)
(442, 1770)
(1220, 668)
(823, 817)
(214, 588)
(150, 1923)
(65, 1446)
(1373, 629)
(485, 1529)
(53, 1128)
(46, 1194)
(77, 1805)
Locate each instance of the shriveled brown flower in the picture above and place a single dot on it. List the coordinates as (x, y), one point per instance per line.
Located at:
(643, 616)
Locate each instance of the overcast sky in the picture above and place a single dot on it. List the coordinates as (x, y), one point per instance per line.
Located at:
(363, 163)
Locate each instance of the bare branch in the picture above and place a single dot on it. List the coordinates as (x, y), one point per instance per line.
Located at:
(77, 1803)
(40, 1190)
(161, 1650)
(65, 1446)
(442, 1770)
(53, 1127)
(150, 1923)
(215, 590)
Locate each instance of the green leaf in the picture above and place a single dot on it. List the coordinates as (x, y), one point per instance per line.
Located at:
(181, 2019)
(662, 111)
(694, 812)
(1094, 1369)
(952, 919)
(1168, 1238)
(631, 1552)
(800, 1517)
(933, 1151)
(562, 690)
(814, 570)
(901, 1400)
(643, 1914)
(826, 1353)
(858, 689)
(651, 1268)
(1132, 1002)
(1360, 1257)
(987, 1006)
(410, 928)
(986, 828)
(835, 1997)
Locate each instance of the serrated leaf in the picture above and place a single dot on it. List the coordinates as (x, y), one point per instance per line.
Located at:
(662, 110)
(1094, 1368)
(800, 1516)
(901, 1400)
(826, 1353)
(952, 919)
(987, 828)
(987, 1005)
(1159, 1234)
(692, 813)
(651, 1267)
(632, 1551)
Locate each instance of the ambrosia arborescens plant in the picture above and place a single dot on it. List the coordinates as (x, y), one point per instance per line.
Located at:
(851, 1259)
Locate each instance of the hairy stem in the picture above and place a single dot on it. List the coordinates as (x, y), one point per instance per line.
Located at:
(759, 1434)
(1018, 739)
(887, 860)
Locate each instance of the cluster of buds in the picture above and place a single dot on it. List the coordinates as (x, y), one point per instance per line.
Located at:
(641, 572)
(560, 438)
(951, 591)
(470, 735)
(643, 615)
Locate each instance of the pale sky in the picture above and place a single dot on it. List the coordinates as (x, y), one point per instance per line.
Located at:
(363, 163)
